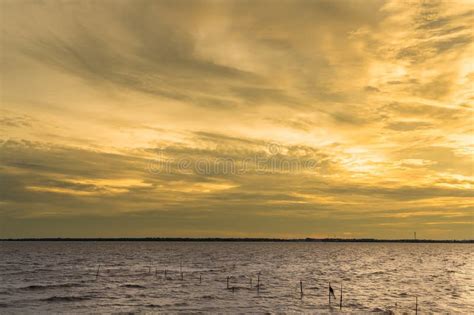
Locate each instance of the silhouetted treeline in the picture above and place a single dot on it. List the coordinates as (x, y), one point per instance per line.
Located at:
(216, 239)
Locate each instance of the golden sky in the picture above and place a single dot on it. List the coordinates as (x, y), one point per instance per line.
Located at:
(115, 116)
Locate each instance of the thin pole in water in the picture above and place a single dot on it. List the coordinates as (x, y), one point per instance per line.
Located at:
(200, 279)
(258, 282)
(165, 274)
(181, 269)
(97, 273)
(416, 305)
(251, 283)
(227, 282)
(329, 294)
(301, 289)
(340, 300)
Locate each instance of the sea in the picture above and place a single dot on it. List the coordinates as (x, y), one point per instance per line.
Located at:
(235, 277)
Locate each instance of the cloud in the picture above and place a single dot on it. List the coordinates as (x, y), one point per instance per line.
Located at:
(409, 125)
(255, 118)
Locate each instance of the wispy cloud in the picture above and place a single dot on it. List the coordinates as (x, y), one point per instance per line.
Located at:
(376, 95)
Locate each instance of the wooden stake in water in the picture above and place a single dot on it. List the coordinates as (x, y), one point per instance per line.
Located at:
(329, 293)
(301, 289)
(200, 279)
(181, 270)
(251, 283)
(416, 305)
(227, 282)
(258, 282)
(97, 273)
(165, 274)
(340, 300)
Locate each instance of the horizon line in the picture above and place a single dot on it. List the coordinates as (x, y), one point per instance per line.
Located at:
(238, 239)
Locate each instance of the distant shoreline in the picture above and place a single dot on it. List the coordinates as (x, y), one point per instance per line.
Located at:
(214, 239)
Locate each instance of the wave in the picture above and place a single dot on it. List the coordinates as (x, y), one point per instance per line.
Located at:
(381, 311)
(180, 304)
(377, 272)
(35, 287)
(66, 298)
(137, 286)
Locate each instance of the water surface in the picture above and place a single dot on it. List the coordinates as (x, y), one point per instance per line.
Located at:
(375, 277)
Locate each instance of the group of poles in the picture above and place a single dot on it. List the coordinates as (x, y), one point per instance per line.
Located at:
(228, 287)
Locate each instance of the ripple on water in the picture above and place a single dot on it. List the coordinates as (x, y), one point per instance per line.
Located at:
(39, 287)
(135, 286)
(66, 298)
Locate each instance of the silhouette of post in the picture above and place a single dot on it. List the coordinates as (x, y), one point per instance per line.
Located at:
(258, 282)
(416, 305)
(340, 300)
(329, 294)
(97, 273)
(301, 289)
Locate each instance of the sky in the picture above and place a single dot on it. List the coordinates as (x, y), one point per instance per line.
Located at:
(239, 118)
